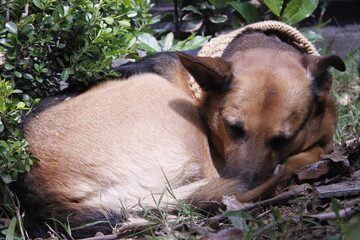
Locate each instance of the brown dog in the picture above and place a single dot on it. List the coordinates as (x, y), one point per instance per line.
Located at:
(129, 144)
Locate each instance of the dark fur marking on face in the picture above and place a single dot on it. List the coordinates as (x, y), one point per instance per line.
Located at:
(279, 141)
(275, 143)
(235, 130)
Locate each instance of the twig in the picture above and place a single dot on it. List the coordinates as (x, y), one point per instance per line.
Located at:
(176, 18)
(16, 204)
(107, 237)
(344, 213)
(7, 12)
(26, 10)
(297, 190)
(342, 189)
(134, 225)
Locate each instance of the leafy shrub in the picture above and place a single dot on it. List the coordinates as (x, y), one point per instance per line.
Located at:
(151, 45)
(14, 157)
(202, 17)
(50, 44)
(212, 16)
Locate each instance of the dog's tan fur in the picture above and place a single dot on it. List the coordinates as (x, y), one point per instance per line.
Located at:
(122, 144)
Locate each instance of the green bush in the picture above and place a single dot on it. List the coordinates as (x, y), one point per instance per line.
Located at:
(14, 158)
(50, 44)
(212, 16)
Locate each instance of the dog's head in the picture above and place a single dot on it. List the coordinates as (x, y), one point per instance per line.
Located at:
(263, 105)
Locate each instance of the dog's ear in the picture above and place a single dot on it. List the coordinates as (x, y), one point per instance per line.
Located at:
(318, 65)
(212, 74)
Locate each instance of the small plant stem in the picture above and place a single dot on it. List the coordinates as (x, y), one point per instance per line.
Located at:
(176, 18)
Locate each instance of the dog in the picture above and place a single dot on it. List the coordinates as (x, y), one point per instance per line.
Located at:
(148, 142)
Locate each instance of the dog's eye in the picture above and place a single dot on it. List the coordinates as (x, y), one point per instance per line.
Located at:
(277, 142)
(235, 130)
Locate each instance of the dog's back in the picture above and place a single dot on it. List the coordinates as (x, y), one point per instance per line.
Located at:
(126, 142)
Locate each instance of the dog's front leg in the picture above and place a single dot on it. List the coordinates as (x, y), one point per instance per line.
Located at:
(303, 158)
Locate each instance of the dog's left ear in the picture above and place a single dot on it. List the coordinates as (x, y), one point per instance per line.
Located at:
(318, 65)
(212, 74)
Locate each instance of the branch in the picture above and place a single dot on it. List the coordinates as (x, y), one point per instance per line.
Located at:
(344, 213)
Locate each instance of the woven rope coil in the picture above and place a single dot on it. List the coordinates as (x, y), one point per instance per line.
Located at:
(216, 46)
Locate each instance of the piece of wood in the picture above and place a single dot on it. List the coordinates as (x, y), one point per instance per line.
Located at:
(321, 170)
(280, 198)
(344, 213)
(342, 189)
(313, 171)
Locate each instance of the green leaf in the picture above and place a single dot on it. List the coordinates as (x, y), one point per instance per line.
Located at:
(38, 4)
(190, 43)
(60, 9)
(37, 67)
(335, 206)
(149, 43)
(18, 74)
(297, 10)
(64, 75)
(190, 17)
(20, 105)
(238, 219)
(168, 41)
(125, 23)
(205, 5)
(9, 66)
(218, 18)
(194, 25)
(27, 29)
(17, 91)
(4, 144)
(131, 14)
(312, 36)
(109, 20)
(39, 79)
(28, 76)
(26, 20)
(6, 178)
(191, 8)
(27, 168)
(275, 6)
(11, 229)
(11, 27)
(248, 11)
(214, 2)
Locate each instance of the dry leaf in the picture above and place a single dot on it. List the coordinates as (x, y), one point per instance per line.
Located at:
(344, 100)
(232, 204)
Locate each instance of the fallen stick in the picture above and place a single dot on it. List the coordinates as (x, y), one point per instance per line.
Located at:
(293, 192)
(342, 189)
(344, 213)
(131, 227)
